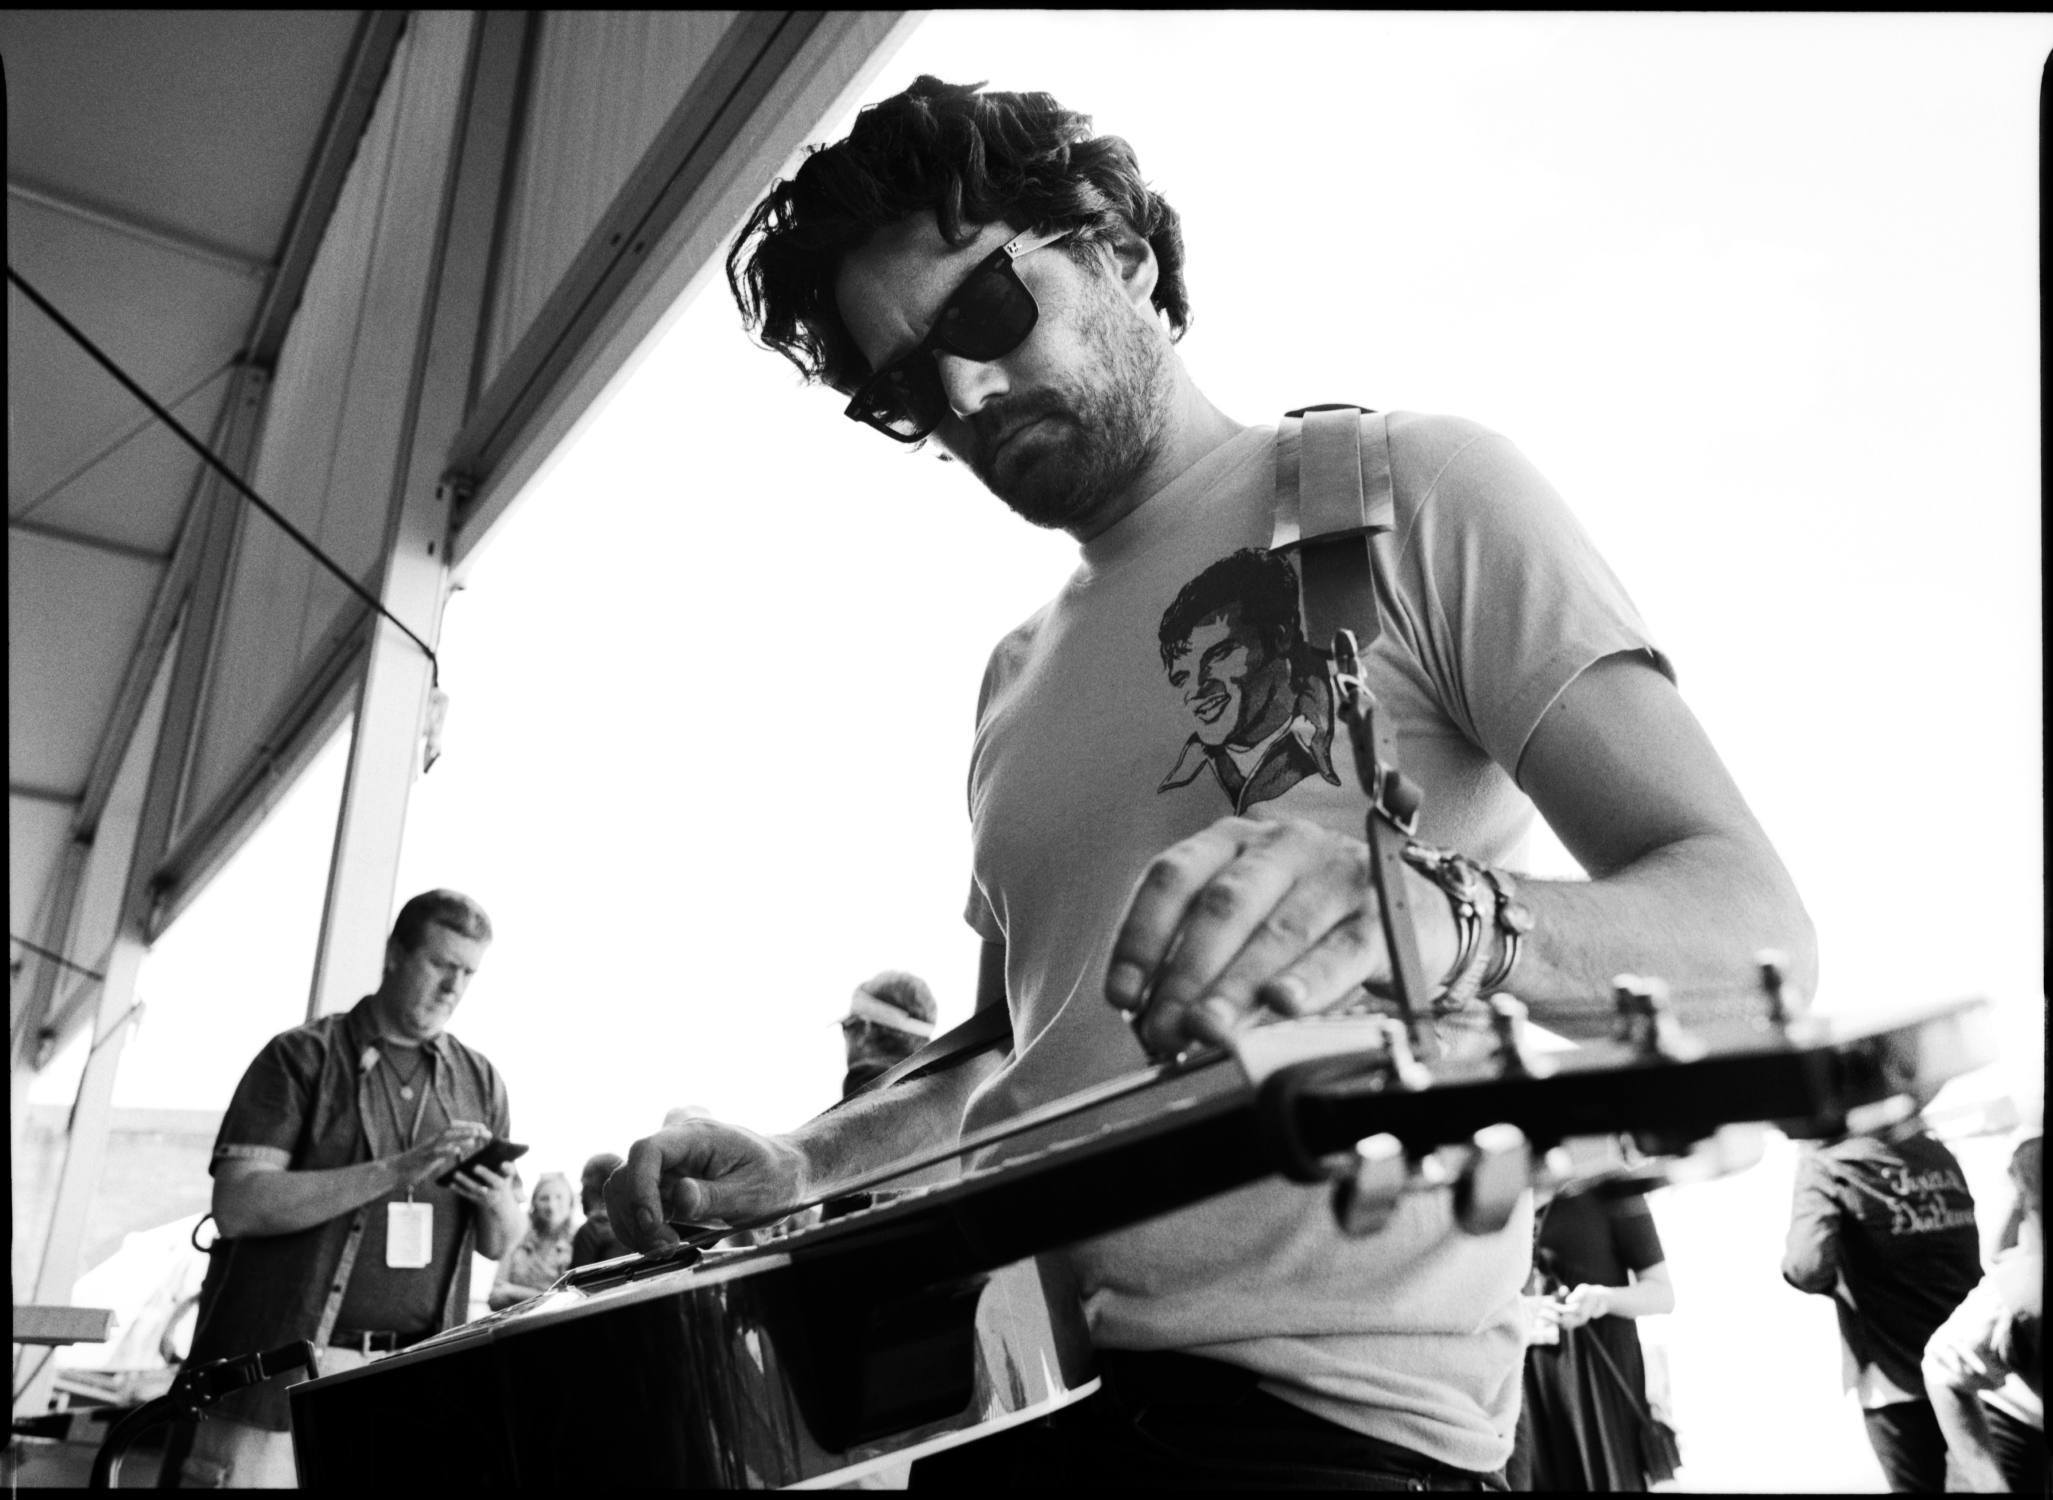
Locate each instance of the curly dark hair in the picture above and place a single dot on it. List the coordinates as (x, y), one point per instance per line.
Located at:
(1257, 588)
(974, 158)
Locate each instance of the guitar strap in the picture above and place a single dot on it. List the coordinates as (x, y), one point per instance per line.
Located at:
(1334, 501)
(987, 1031)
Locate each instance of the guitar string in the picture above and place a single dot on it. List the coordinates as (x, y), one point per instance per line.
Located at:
(704, 1236)
(1052, 1113)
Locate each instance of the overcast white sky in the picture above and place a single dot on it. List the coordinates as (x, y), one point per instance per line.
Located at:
(1757, 293)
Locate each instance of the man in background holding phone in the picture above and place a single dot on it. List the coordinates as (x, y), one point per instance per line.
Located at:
(333, 1226)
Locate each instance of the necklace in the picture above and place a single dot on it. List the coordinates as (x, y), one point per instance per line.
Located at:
(406, 1079)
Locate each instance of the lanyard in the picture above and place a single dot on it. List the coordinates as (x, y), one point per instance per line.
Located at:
(420, 1110)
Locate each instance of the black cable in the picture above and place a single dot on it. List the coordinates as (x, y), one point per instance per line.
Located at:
(207, 455)
(56, 958)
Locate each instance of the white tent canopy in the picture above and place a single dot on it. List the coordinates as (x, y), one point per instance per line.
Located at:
(381, 262)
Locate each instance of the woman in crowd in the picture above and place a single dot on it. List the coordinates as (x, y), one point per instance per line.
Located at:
(543, 1254)
(1585, 1424)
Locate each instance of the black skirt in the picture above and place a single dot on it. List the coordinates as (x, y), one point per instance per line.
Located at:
(1577, 1429)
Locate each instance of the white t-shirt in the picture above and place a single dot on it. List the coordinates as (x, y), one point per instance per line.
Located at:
(1166, 687)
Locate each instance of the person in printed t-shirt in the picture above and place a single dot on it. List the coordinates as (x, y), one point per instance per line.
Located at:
(1165, 845)
(1985, 1368)
(1884, 1225)
(333, 1227)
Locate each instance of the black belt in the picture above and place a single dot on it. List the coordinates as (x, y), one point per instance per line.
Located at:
(376, 1340)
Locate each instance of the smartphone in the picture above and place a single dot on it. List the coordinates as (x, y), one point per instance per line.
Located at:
(495, 1154)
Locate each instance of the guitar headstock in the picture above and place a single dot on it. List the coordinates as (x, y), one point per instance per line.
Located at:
(1343, 1100)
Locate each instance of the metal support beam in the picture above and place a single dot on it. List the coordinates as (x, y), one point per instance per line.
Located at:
(363, 76)
(321, 699)
(102, 921)
(682, 207)
(90, 543)
(386, 743)
(746, 64)
(42, 793)
(186, 609)
(133, 226)
(100, 901)
(201, 561)
(220, 518)
(33, 988)
(85, 1153)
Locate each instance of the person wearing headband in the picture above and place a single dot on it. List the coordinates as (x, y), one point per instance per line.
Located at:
(890, 1017)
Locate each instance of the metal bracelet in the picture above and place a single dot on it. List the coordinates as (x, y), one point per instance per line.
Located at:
(1514, 919)
(1461, 880)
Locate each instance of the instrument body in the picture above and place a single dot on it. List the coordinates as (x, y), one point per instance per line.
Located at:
(926, 1321)
(744, 1371)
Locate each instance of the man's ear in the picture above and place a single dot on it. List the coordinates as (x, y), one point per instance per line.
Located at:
(395, 955)
(1134, 264)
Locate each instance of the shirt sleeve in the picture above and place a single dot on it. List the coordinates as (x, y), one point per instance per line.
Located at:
(977, 912)
(1810, 1258)
(1501, 594)
(269, 1109)
(1633, 1235)
(501, 1119)
(1965, 1353)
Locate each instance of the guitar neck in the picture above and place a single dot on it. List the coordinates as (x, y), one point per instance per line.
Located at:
(1210, 1131)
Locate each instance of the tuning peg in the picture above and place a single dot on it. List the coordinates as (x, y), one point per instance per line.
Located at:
(1784, 1004)
(1366, 1198)
(1513, 1057)
(1647, 1023)
(1405, 1068)
(1487, 1193)
(1788, 1010)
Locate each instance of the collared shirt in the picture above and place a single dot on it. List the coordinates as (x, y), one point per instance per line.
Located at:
(397, 1117)
(305, 1104)
(1256, 773)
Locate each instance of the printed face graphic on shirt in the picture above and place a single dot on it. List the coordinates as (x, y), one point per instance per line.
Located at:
(1260, 707)
(1235, 684)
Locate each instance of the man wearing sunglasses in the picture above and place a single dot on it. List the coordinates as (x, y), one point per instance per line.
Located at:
(979, 271)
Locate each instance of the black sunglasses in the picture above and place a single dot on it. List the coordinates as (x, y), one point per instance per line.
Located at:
(985, 318)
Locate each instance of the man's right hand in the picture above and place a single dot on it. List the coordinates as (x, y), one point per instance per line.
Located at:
(701, 1172)
(432, 1158)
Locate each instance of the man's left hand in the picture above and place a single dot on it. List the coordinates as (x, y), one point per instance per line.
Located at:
(1255, 915)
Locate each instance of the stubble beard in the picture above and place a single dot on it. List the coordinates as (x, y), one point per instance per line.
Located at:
(1099, 438)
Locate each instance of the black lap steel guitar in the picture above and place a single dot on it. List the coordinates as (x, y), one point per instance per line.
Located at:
(926, 1321)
